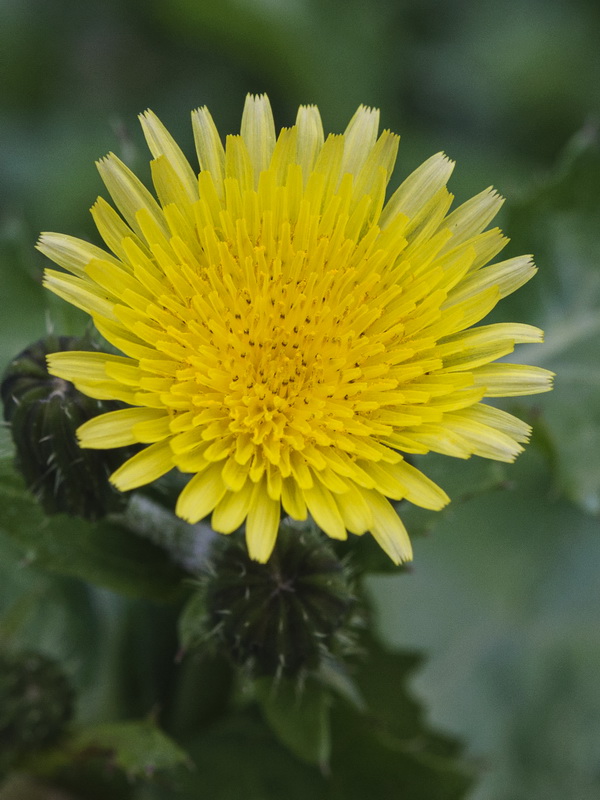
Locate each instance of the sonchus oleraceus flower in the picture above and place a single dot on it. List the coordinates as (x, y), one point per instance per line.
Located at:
(288, 334)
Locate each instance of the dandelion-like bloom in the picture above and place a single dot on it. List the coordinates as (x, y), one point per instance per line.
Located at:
(288, 334)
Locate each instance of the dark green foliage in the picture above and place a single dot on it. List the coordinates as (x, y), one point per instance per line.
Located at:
(106, 552)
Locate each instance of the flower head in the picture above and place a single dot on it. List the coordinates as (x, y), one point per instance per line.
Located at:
(288, 334)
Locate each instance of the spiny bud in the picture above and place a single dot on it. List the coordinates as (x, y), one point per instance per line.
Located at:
(278, 618)
(36, 702)
(44, 413)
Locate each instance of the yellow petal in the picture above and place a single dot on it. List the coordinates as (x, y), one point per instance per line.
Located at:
(150, 464)
(232, 509)
(292, 499)
(128, 192)
(481, 439)
(80, 293)
(388, 529)
(419, 188)
(115, 429)
(359, 139)
(201, 495)
(113, 230)
(324, 510)
(355, 511)
(73, 365)
(161, 143)
(508, 276)
(211, 153)
(511, 380)
(262, 523)
(310, 138)
(258, 131)
(71, 253)
(472, 217)
(417, 488)
(154, 430)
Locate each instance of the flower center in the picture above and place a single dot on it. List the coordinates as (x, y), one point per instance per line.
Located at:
(278, 357)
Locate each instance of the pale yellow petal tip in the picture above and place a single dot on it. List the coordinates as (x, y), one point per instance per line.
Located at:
(399, 554)
(541, 380)
(86, 439)
(192, 519)
(116, 480)
(367, 110)
(494, 195)
(105, 160)
(185, 510)
(259, 97)
(257, 111)
(53, 364)
(308, 108)
(45, 239)
(147, 114)
(86, 442)
(444, 500)
(550, 376)
(49, 279)
(261, 550)
(390, 135)
(260, 543)
(444, 158)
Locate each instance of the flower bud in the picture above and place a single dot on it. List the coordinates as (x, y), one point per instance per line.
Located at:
(36, 703)
(277, 618)
(44, 413)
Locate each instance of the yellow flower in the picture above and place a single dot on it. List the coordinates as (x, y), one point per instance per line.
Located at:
(288, 333)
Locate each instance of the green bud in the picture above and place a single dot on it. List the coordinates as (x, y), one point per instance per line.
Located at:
(278, 618)
(44, 413)
(36, 702)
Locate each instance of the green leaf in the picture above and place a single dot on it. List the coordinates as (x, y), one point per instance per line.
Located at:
(200, 695)
(104, 553)
(336, 675)
(369, 762)
(240, 757)
(558, 221)
(299, 716)
(388, 702)
(139, 749)
(504, 597)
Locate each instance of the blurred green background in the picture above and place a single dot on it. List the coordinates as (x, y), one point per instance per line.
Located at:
(504, 598)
